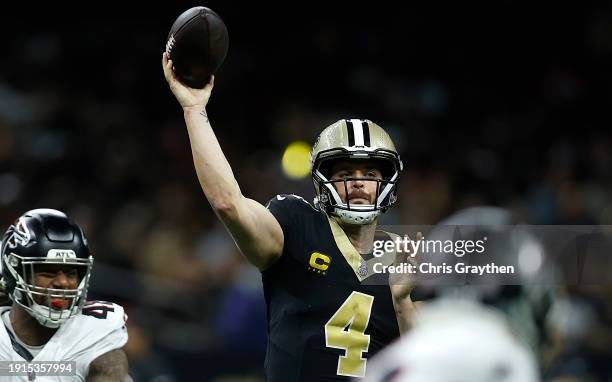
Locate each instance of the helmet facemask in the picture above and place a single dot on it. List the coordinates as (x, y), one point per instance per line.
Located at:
(329, 199)
(57, 305)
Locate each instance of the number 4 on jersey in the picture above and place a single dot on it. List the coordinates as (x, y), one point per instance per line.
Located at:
(346, 331)
(97, 309)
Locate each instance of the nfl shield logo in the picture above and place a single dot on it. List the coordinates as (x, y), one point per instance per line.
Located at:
(363, 268)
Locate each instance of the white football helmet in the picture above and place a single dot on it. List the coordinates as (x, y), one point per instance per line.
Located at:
(458, 341)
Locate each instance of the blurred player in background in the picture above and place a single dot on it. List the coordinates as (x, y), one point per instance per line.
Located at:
(525, 297)
(459, 341)
(46, 266)
(324, 320)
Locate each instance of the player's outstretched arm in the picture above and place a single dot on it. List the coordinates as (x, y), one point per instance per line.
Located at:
(109, 367)
(253, 227)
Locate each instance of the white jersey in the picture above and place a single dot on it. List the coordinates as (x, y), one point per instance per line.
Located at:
(98, 329)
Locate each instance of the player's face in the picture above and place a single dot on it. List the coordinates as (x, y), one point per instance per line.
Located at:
(55, 276)
(362, 189)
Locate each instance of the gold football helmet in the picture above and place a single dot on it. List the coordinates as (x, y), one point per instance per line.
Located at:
(354, 139)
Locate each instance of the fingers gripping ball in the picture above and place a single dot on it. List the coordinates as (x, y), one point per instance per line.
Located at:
(197, 45)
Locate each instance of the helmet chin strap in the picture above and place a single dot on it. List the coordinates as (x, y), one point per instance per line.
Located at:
(44, 316)
(356, 217)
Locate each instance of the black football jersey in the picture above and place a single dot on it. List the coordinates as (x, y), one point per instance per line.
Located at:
(324, 319)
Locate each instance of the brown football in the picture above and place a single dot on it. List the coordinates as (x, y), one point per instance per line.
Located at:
(197, 45)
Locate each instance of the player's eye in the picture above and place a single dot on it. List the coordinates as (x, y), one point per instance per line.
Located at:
(72, 273)
(373, 174)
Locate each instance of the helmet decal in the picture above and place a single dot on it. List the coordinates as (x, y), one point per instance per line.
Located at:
(358, 132)
(21, 234)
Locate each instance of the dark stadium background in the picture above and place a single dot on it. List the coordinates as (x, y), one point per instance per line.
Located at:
(503, 105)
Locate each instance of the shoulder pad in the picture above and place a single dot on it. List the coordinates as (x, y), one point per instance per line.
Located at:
(288, 198)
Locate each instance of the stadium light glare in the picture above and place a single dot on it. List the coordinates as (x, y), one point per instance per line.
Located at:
(295, 160)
